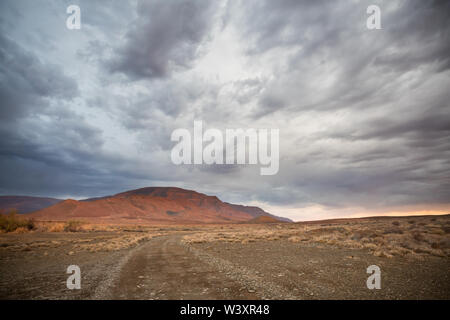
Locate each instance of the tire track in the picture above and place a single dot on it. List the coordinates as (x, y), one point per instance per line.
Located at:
(163, 268)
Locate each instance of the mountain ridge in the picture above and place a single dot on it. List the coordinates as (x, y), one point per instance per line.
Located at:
(26, 204)
(152, 205)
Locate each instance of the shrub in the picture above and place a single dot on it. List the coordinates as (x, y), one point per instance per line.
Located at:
(11, 222)
(393, 231)
(438, 231)
(361, 234)
(72, 226)
(30, 224)
(436, 245)
(54, 227)
(418, 236)
(296, 239)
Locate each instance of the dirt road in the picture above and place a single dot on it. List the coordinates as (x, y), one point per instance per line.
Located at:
(165, 269)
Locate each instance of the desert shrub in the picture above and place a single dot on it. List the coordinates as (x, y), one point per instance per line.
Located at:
(382, 253)
(418, 236)
(21, 230)
(358, 235)
(11, 222)
(296, 239)
(436, 245)
(406, 244)
(445, 243)
(55, 227)
(30, 224)
(72, 226)
(437, 231)
(393, 231)
(396, 223)
(371, 246)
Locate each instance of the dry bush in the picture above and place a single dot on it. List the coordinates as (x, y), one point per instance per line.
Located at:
(393, 230)
(382, 253)
(418, 236)
(435, 230)
(12, 222)
(21, 230)
(50, 226)
(295, 239)
(361, 234)
(73, 226)
(56, 227)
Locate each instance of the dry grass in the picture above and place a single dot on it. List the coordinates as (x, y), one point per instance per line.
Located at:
(89, 238)
(73, 226)
(12, 222)
(412, 236)
(116, 243)
(416, 237)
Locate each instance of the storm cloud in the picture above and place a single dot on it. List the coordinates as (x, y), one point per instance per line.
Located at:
(165, 36)
(363, 114)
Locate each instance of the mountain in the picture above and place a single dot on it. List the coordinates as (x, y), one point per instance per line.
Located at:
(25, 204)
(264, 219)
(151, 205)
(256, 212)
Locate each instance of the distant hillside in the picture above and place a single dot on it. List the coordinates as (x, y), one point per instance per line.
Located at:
(264, 219)
(257, 212)
(25, 204)
(152, 205)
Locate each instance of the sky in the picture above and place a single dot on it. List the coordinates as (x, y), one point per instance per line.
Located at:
(363, 114)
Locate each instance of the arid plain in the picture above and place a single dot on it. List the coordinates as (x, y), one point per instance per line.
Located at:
(258, 260)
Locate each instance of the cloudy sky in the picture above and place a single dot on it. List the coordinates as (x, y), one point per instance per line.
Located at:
(364, 115)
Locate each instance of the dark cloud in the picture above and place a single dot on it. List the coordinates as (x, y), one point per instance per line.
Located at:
(419, 32)
(25, 82)
(33, 151)
(331, 39)
(165, 36)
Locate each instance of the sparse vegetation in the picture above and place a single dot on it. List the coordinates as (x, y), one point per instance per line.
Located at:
(413, 236)
(417, 238)
(13, 223)
(73, 226)
(110, 238)
(116, 243)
